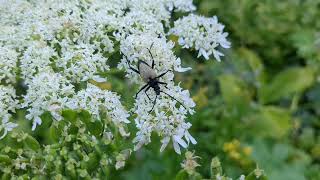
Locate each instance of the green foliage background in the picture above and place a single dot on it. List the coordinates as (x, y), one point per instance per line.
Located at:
(259, 106)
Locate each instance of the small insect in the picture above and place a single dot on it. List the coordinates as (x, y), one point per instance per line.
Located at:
(148, 74)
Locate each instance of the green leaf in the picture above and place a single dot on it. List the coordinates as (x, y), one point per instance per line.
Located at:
(5, 158)
(93, 162)
(234, 90)
(252, 59)
(54, 133)
(286, 83)
(271, 121)
(94, 126)
(6, 176)
(70, 115)
(31, 143)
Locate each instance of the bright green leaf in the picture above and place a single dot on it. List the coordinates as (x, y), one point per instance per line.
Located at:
(286, 83)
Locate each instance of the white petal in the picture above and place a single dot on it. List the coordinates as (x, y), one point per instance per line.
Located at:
(98, 79)
(189, 137)
(181, 69)
(180, 141)
(36, 121)
(164, 142)
(176, 147)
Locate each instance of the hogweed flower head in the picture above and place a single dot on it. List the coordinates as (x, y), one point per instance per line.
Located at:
(202, 33)
(57, 48)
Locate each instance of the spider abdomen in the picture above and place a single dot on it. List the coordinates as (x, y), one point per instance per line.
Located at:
(146, 72)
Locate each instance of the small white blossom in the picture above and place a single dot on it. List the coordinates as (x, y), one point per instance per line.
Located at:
(79, 63)
(95, 101)
(47, 91)
(203, 34)
(180, 5)
(8, 63)
(36, 59)
(7, 104)
(242, 177)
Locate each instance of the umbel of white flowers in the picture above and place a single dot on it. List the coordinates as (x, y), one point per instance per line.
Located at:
(57, 44)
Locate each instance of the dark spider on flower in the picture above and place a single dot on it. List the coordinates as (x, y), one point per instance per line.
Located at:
(148, 74)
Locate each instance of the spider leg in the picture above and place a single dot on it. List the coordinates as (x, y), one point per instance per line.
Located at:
(145, 91)
(149, 49)
(141, 90)
(173, 98)
(165, 84)
(154, 103)
(163, 74)
(133, 69)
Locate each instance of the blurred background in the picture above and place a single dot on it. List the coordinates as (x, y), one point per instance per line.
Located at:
(261, 104)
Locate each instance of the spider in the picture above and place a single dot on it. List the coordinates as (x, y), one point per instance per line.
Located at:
(149, 76)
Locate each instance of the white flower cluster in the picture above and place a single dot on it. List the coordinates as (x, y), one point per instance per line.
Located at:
(8, 63)
(96, 101)
(8, 105)
(169, 117)
(36, 59)
(58, 46)
(80, 63)
(202, 33)
(48, 91)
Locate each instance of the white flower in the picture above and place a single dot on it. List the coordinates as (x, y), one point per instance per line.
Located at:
(47, 91)
(58, 47)
(169, 117)
(242, 177)
(8, 63)
(7, 104)
(203, 34)
(36, 58)
(96, 101)
(180, 5)
(80, 63)
(6, 127)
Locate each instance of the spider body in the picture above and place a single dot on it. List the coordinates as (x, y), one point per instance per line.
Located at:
(149, 76)
(147, 73)
(154, 84)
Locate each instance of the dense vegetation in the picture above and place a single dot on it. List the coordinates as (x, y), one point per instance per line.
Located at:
(259, 108)
(260, 105)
